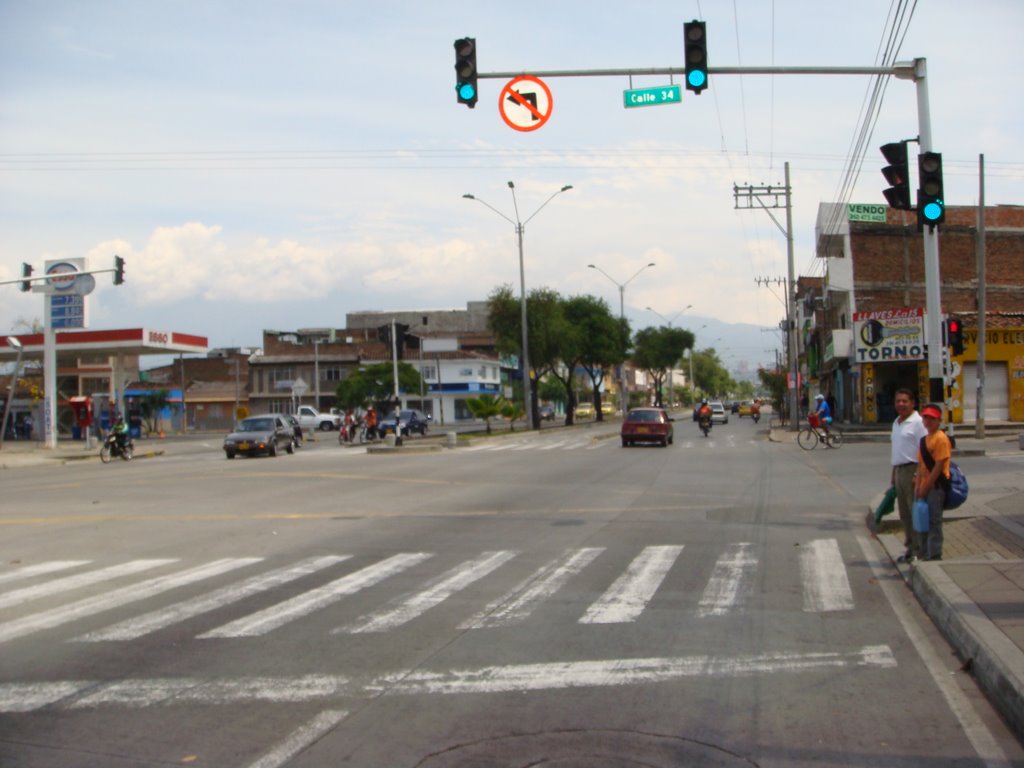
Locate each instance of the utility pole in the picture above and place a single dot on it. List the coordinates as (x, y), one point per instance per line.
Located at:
(979, 422)
(745, 198)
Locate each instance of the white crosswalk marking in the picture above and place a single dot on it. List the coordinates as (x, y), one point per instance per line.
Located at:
(552, 446)
(823, 572)
(408, 609)
(521, 600)
(40, 569)
(723, 591)
(301, 605)
(69, 583)
(626, 599)
(55, 617)
(150, 622)
(300, 738)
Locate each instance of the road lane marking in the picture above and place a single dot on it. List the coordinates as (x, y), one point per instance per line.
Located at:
(823, 572)
(300, 738)
(626, 599)
(91, 605)
(40, 569)
(981, 738)
(150, 622)
(447, 585)
(520, 602)
(141, 693)
(271, 618)
(69, 583)
(723, 591)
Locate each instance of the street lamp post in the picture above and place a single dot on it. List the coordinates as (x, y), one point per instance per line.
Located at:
(671, 391)
(16, 343)
(693, 384)
(520, 227)
(623, 397)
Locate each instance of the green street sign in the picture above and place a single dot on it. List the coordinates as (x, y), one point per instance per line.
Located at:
(651, 97)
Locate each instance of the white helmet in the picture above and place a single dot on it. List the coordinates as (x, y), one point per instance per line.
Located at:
(819, 397)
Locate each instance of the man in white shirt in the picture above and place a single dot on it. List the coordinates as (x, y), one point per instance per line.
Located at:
(907, 431)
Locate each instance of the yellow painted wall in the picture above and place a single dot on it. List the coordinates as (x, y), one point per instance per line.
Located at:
(1003, 345)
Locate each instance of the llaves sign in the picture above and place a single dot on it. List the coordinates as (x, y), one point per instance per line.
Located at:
(890, 335)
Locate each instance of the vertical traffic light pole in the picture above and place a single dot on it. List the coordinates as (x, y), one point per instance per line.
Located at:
(933, 292)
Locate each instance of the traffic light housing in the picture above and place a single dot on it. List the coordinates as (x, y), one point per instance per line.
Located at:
(118, 270)
(384, 334)
(696, 41)
(26, 273)
(897, 173)
(955, 335)
(931, 202)
(465, 71)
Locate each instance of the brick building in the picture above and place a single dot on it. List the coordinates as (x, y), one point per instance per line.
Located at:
(872, 306)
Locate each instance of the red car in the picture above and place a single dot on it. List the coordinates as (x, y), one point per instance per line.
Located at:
(646, 425)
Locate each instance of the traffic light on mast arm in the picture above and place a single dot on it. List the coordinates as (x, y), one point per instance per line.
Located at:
(955, 335)
(26, 273)
(696, 42)
(465, 71)
(118, 270)
(931, 201)
(897, 173)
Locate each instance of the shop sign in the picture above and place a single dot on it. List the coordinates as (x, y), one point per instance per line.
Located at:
(891, 335)
(866, 212)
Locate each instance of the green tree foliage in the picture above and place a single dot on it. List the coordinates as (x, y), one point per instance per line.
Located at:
(655, 350)
(601, 342)
(551, 390)
(150, 405)
(773, 381)
(710, 376)
(486, 407)
(374, 384)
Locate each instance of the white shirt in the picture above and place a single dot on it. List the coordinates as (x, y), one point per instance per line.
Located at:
(906, 439)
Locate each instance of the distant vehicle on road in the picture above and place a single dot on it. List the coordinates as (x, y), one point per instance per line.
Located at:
(409, 421)
(547, 412)
(607, 408)
(585, 411)
(646, 425)
(310, 418)
(718, 414)
(267, 434)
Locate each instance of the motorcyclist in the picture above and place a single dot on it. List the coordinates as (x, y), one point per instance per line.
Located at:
(348, 426)
(704, 412)
(755, 409)
(371, 423)
(120, 433)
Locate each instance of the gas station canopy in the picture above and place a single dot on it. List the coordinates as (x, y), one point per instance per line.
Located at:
(127, 341)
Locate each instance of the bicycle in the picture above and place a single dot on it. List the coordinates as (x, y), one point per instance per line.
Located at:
(809, 437)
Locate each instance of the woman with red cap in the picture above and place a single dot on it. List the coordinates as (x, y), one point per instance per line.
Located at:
(932, 478)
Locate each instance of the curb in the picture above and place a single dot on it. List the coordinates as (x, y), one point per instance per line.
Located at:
(996, 663)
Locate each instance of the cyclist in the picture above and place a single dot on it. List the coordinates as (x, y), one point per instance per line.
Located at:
(824, 413)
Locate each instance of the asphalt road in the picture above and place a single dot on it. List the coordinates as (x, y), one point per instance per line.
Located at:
(533, 600)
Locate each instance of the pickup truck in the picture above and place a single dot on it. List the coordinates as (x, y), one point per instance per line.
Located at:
(310, 418)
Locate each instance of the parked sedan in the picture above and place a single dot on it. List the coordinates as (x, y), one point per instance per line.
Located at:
(409, 421)
(260, 434)
(546, 413)
(607, 408)
(585, 411)
(647, 425)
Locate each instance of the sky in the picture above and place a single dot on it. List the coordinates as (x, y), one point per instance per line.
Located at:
(276, 165)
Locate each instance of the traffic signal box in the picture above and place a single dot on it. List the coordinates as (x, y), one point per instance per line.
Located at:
(696, 38)
(26, 273)
(897, 173)
(465, 71)
(118, 270)
(931, 202)
(955, 335)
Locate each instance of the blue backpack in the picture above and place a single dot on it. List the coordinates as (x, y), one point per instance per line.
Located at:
(956, 494)
(956, 486)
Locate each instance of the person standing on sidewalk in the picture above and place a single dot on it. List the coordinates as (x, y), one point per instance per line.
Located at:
(907, 431)
(933, 478)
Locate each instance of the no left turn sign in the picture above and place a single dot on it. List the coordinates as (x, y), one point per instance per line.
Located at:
(525, 103)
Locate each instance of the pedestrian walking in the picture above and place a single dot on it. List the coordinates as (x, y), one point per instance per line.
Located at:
(935, 453)
(907, 431)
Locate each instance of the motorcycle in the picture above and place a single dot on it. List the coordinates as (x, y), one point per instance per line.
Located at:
(705, 425)
(755, 413)
(112, 449)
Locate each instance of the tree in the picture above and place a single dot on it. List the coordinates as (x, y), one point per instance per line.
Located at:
(710, 376)
(512, 412)
(600, 345)
(774, 381)
(546, 329)
(150, 405)
(375, 383)
(486, 407)
(655, 350)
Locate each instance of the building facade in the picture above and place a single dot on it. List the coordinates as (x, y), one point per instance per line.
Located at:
(868, 315)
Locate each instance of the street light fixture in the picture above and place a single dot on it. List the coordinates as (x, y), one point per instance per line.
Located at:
(668, 322)
(623, 397)
(520, 227)
(15, 342)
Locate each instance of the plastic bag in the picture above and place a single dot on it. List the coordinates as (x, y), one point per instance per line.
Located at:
(887, 504)
(921, 516)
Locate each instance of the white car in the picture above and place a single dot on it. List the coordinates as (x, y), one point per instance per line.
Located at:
(718, 413)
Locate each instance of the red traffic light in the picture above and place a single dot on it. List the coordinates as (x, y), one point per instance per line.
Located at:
(954, 326)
